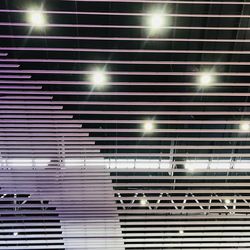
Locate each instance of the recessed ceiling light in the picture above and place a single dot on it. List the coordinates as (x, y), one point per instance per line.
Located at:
(245, 126)
(156, 21)
(148, 126)
(36, 18)
(98, 77)
(206, 79)
(143, 202)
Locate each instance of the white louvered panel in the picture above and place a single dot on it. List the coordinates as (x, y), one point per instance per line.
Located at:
(89, 224)
(95, 211)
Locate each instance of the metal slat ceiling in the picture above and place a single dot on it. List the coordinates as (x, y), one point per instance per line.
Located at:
(78, 168)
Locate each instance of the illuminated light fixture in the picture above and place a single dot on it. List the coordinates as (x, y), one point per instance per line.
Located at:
(205, 79)
(15, 234)
(245, 126)
(156, 21)
(191, 169)
(148, 126)
(181, 232)
(227, 201)
(143, 202)
(98, 77)
(36, 18)
(198, 165)
(220, 164)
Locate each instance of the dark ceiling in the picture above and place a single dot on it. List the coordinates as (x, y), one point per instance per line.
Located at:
(149, 78)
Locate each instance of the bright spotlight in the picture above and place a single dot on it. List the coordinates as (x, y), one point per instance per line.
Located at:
(143, 202)
(227, 201)
(245, 126)
(99, 77)
(148, 126)
(15, 234)
(205, 79)
(181, 232)
(156, 21)
(37, 18)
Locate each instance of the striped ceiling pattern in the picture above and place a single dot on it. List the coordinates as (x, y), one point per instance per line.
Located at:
(157, 157)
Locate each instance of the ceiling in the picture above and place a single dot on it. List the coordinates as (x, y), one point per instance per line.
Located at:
(79, 169)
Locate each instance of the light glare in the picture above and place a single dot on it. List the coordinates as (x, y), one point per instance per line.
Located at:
(156, 21)
(99, 77)
(37, 18)
(227, 201)
(206, 79)
(181, 231)
(148, 126)
(143, 202)
(245, 126)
